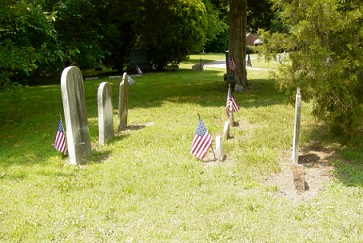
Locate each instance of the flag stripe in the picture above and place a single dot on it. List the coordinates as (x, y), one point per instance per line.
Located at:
(231, 100)
(60, 140)
(201, 142)
(231, 63)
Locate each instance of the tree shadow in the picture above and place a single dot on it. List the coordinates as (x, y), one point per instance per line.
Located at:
(27, 130)
(325, 151)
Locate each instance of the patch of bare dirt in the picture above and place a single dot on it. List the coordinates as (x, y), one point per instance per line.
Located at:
(316, 162)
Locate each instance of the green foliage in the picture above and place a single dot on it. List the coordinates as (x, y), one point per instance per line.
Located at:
(325, 43)
(27, 40)
(178, 29)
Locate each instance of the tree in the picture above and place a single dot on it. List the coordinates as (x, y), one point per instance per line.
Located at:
(27, 40)
(325, 41)
(237, 39)
(170, 30)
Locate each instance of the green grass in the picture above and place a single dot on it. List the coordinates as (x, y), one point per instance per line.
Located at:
(144, 186)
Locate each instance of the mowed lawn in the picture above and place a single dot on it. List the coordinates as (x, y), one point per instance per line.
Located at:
(145, 186)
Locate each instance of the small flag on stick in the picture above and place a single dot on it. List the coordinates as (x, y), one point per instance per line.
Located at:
(202, 141)
(60, 140)
(231, 101)
(231, 63)
(138, 70)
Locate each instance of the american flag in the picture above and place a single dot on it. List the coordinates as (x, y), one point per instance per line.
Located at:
(231, 100)
(231, 63)
(201, 142)
(138, 70)
(60, 140)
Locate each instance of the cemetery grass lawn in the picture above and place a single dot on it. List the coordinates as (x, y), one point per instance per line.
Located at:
(145, 186)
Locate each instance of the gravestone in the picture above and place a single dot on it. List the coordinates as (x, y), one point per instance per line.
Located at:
(75, 114)
(131, 81)
(296, 135)
(238, 88)
(226, 131)
(219, 148)
(105, 113)
(123, 102)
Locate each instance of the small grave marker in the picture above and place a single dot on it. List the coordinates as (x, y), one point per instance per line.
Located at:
(296, 135)
(226, 130)
(219, 148)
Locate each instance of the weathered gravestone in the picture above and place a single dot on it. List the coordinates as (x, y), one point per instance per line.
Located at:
(75, 114)
(123, 102)
(296, 135)
(105, 113)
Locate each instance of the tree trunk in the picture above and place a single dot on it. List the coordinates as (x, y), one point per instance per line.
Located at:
(237, 40)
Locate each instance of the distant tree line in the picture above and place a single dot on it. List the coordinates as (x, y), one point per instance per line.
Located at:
(39, 37)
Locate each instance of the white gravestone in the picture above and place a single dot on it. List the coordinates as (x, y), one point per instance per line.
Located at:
(75, 114)
(123, 102)
(226, 131)
(105, 113)
(296, 135)
(219, 148)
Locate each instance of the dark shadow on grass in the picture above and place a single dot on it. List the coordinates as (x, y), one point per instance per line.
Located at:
(28, 127)
(324, 151)
(97, 157)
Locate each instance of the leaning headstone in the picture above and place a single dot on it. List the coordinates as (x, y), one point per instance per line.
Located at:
(226, 131)
(105, 113)
(131, 81)
(75, 114)
(296, 135)
(219, 148)
(123, 102)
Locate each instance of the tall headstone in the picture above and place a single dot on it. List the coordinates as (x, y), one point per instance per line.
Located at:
(296, 135)
(123, 102)
(105, 113)
(75, 114)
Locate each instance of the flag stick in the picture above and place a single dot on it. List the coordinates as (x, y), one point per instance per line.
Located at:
(213, 152)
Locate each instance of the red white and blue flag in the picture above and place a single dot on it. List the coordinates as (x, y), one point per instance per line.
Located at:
(201, 142)
(231, 101)
(231, 63)
(60, 140)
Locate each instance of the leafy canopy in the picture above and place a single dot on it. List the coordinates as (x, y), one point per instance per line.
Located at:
(324, 40)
